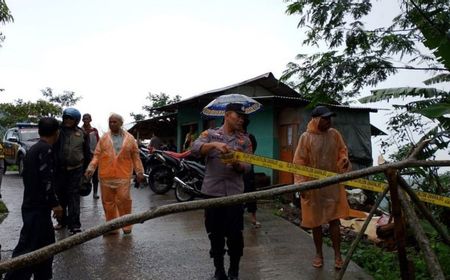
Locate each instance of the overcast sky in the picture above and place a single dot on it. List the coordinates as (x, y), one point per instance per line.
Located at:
(112, 53)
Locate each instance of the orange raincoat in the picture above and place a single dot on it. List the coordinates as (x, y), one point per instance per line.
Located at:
(115, 172)
(327, 151)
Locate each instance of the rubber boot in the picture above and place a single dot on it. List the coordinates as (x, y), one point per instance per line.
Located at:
(233, 271)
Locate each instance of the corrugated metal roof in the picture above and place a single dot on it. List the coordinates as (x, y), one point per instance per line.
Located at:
(280, 90)
(266, 80)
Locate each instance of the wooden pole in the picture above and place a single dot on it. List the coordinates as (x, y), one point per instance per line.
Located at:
(399, 226)
(360, 234)
(434, 268)
(415, 199)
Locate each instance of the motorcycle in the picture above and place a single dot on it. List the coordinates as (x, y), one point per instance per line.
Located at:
(188, 181)
(163, 168)
(155, 170)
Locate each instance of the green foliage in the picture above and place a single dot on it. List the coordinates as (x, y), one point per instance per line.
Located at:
(65, 99)
(156, 101)
(384, 265)
(357, 57)
(5, 16)
(438, 79)
(3, 209)
(402, 92)
(434, 23)
(21, 111)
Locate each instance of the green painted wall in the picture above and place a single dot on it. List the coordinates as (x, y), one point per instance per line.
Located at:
(187, 116)
(262, 126)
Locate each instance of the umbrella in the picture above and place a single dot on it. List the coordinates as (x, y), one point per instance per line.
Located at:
(216, 108)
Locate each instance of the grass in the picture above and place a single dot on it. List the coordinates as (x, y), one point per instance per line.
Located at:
(3, 208)
(384, 265)
(376, 261)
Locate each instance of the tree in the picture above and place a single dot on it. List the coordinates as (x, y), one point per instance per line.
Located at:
(357, 57)
(21, 111)
(5, 17)
(156, 101)
(65, 99)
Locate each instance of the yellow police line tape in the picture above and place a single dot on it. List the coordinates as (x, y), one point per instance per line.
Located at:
(320, 174)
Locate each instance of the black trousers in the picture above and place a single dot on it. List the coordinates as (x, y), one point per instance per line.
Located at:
(95, 182)
(225, 224)
(37, 232)
(68, 191)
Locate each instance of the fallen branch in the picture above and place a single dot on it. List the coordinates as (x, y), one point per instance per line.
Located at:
(433, 266)
(415, 199)
(67, 243)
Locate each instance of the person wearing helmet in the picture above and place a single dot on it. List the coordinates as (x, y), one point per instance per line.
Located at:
(73, 156)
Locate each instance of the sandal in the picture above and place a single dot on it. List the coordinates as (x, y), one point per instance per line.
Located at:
(317, 262)
(338, 263)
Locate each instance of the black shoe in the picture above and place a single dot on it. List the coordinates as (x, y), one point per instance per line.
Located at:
(233, 275)
(219, 275)
(96, 196)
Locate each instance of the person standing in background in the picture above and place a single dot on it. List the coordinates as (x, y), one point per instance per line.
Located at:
(190, 138)
(323, 147)
(73, 155)
(155, 143)
(116, 156)
(93, 140)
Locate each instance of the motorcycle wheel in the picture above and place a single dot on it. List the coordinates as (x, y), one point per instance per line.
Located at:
(181, 194)
(161, 179)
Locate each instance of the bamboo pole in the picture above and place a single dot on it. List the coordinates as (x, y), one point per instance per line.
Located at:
(360, 234)
(434, 268)
(67, 243)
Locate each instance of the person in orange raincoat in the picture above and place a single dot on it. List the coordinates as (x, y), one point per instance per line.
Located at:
(323, 147)
(116, 155)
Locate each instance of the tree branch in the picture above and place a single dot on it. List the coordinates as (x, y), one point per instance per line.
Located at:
(434, 268)
(415, 199)
(69, 242)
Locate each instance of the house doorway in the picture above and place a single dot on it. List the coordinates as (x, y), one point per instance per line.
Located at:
(288, 126)
(288, 143)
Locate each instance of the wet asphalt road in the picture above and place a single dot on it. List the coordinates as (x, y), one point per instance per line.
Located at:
(172, 247)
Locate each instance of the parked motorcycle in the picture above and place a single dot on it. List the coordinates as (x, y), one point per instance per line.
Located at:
(165, 165)
(156, 170)
(188, 181)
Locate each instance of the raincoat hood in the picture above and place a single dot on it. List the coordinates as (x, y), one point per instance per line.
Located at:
(313, 126)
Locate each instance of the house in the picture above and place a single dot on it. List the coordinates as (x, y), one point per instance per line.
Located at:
(279, 124)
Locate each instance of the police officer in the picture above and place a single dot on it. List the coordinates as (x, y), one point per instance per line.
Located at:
(224, 224)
